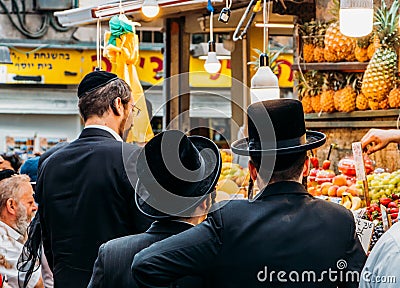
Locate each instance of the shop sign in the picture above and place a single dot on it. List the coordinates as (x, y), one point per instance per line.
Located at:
(59, 66)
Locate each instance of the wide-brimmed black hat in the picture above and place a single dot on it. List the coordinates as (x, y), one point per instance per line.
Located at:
(176, 173)
(277, 127)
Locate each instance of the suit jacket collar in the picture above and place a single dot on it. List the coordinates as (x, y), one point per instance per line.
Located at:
(92, 132)
(166, 226)
(282, 188)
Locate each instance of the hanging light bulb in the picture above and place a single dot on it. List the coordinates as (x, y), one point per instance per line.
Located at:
(356, 17)
(150, 8)
(264, 84)
(212, 64)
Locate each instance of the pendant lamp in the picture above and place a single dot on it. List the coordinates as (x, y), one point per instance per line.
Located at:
(356, 17)
(264, 84)
(150, 8)
(212, 64)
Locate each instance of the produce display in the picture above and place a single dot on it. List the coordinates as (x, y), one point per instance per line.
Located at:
(233, 180)
(344, 189)
(377, 88)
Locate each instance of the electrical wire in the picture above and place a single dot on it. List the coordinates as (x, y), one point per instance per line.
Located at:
(210, 9)
(54, 23)
(21, 28)
(98, 44)
(22, 21)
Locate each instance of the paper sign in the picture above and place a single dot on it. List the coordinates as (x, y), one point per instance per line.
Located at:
(359, 213)
(364, 231)
(360, 169)
(359, 160)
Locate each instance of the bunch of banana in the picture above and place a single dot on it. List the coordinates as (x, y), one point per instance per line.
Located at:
(351, 202)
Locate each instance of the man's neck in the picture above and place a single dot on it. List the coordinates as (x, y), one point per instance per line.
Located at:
(261, 184)
(8, 222)
(102, 122)
(193, 220)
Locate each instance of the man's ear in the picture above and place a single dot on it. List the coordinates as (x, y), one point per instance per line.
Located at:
(252, 170)
(116, 106)
(11, 206)
(306, 168)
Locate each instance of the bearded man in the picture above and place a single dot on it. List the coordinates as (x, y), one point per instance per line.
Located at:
(17, 207)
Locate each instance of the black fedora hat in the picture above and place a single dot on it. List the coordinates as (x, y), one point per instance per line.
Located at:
(175, 173)
(277, 127)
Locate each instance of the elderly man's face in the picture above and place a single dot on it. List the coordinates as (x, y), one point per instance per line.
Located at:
(26, 208)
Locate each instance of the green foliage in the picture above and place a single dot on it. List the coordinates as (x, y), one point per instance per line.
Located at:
(273, 57)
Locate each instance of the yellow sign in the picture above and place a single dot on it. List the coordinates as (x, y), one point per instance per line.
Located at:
(220, 79)
(59, 66)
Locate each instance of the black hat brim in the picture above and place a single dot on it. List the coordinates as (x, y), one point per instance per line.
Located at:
(314, 140)
(213, 169)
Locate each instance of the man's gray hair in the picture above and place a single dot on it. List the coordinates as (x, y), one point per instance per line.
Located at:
(10, 187)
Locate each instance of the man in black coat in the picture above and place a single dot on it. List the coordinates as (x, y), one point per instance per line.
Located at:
(281, 237)
(113, 264)
(83, 190)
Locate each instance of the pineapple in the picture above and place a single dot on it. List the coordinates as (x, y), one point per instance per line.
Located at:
(307, 31)
(306, 101)
(303, 91)
(335, 42)
(327, 102)
(329, 56)
(309, 89)
(347, 100)
(374, 105)
(315, 80)
(394, 96)
(328, 93)
(361, 50)
(320, 31)
(361, 102)
(381, 70)
(384, 104)
(336, 99)
(339, 86)
(373, 46)
(316, 103)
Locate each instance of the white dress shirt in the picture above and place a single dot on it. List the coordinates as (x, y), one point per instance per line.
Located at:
(11, 247)
(382, 266)
(108, 129)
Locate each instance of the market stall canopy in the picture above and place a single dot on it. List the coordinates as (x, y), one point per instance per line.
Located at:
(87, 15)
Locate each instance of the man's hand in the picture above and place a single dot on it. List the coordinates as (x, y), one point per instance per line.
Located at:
(379, 139)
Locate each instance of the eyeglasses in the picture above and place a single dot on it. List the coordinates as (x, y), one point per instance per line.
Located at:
(135, 110)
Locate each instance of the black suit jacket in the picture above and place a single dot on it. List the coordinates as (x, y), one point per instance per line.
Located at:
(113, 265)
(247, 244)
(86, 199)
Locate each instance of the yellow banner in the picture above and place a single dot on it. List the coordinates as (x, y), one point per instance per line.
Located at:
(59, 66)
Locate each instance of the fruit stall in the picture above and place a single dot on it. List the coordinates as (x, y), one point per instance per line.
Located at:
(349, 85)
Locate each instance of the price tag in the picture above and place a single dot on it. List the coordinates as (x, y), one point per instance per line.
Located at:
(359, 160)
(360, 169)
(364, 231)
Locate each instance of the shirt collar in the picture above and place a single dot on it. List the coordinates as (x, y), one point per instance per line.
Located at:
(11, 232)
(108, 129)
(283, 187)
